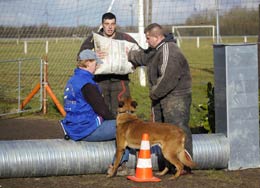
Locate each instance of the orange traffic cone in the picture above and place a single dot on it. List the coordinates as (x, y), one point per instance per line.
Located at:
(143, 172)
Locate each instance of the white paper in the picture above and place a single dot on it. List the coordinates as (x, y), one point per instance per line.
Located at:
(116, 61)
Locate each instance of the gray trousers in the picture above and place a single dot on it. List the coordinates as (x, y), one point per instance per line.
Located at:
(113, 90)
(175, 110)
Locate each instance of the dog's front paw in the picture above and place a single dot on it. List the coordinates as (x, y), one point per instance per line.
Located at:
(110, 171)
(109, 175)
(112, 174)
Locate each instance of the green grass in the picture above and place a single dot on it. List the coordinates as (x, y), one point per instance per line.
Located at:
(201, 66)
(62, 61)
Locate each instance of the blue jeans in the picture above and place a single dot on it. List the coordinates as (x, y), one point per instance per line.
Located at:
(106, 131)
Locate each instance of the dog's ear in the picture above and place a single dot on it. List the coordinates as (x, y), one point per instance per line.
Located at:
(134, 104)
(121, 104)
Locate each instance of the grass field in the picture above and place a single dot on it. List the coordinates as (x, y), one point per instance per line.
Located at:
(61, 63)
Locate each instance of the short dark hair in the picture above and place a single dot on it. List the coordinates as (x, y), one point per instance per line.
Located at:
(152, 26)
(108, 16)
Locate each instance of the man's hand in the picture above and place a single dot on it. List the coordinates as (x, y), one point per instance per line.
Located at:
(101, 54)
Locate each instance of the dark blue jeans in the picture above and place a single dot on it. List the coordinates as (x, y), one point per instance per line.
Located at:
(106, 131)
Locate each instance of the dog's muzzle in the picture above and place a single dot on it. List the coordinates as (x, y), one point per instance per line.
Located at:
(126, 112)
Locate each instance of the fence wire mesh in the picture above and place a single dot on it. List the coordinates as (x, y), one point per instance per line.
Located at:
(18, 79)
(31, 29)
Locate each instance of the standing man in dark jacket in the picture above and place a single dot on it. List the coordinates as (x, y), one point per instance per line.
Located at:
(169, 79)
(113, 86)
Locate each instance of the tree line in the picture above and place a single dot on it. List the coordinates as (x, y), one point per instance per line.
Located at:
(236, 21)
(43, 31)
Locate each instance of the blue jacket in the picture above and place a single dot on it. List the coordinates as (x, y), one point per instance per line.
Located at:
(80, 120)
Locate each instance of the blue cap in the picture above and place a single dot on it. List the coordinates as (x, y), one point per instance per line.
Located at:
(89, 54)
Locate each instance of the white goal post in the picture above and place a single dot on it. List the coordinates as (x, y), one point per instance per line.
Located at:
(195, 26)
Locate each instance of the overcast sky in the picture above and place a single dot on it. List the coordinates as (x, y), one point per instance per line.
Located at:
(89, 12)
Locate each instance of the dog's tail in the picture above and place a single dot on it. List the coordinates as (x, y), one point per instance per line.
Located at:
(185, 157)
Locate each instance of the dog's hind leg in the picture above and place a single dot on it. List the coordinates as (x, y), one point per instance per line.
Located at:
(179, 168)
(172, 158)
(163, 172)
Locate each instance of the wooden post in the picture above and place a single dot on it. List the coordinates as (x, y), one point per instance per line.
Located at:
(245, 39)
(47, 47)
(198, 42)
(25, 47)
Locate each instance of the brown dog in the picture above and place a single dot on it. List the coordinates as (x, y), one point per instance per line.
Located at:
(169, 137)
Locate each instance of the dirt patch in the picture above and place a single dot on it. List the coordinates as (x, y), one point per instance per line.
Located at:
(39, 128)
(33, 128)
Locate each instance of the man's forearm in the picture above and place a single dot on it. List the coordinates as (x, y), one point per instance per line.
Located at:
(137, 58)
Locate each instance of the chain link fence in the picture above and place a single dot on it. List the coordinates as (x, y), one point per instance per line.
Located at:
(30, 29)
(18, 79)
